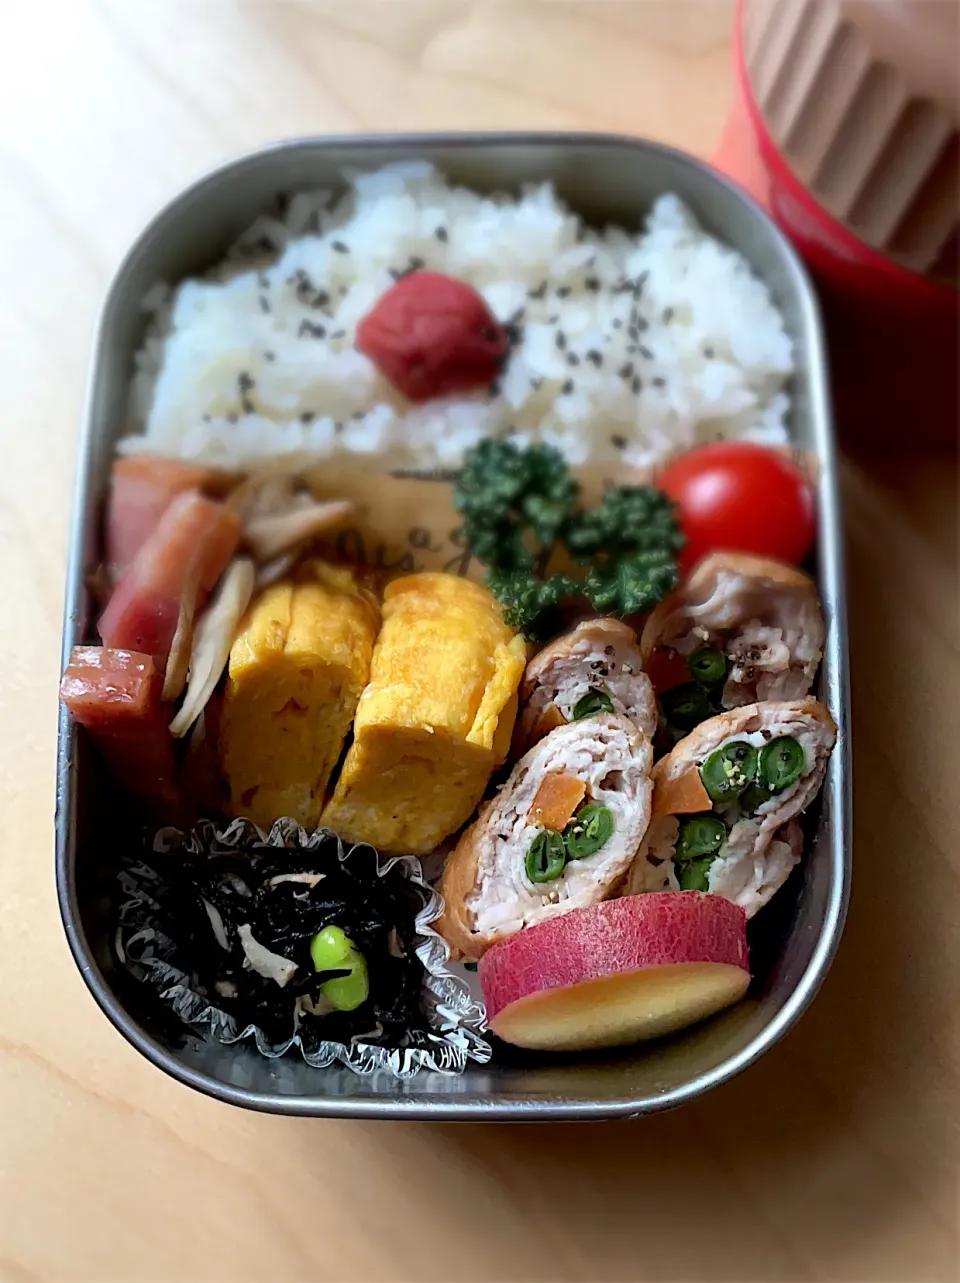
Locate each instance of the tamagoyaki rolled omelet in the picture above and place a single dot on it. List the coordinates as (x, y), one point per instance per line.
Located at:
(435, 718)
(296, 672)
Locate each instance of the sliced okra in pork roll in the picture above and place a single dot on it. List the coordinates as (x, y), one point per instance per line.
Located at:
(594, 669)
(559, 835)
(740, 629)
(726, 801)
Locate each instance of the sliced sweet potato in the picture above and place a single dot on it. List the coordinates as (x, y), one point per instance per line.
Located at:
(617, 972)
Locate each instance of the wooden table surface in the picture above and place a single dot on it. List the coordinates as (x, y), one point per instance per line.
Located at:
(835, 1157)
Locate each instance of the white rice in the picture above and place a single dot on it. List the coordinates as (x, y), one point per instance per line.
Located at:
(628, 345)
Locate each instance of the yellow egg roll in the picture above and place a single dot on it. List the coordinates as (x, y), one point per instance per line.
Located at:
(435, 719)
(297, 669)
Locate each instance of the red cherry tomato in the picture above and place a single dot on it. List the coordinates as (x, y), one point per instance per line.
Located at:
(741, 497)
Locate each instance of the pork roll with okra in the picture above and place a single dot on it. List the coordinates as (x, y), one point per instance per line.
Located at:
(741, 629)
(595, 668)
(559, 835)
(727, 799)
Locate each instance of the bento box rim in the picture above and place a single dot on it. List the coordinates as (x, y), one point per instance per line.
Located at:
(831, 579)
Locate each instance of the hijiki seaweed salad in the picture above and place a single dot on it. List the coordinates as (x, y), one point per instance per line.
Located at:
(452, 617)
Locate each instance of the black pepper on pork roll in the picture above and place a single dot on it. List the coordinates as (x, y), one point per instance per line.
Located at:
(726, 802)
(740, 629)
(560, 834)
(596, 668)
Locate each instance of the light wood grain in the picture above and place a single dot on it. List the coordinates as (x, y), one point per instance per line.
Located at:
(833, 1159)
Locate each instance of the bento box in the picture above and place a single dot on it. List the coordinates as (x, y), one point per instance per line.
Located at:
(604, 179)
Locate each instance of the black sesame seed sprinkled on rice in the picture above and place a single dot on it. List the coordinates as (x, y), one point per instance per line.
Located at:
(495, 388)
(618, 442)
(642, 324)
(206, 418)
(567, 387)
(646, 353)
(340, 247)
(308, 416)
(247, 405)
(441, 234)
(637, 384)
(395, 272)
(315, 331)
(539, 292)
(592, 283)
(269, 356)
(339, 334)
(416, 263)
(667, 315)
(245, 381)
(708, 352)
(563, 291)
(633, 331)
(572, 358)
(264, 304)
(595, 357)
(617, 323)
(263, 280)
(517, 316)
(536, 383)
(552, 320)
(321, 300)
(560, 339)
(658, 382)
(626, 371)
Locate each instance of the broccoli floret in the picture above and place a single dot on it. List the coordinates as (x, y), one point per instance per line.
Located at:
(519, 506)
(627, 519)
(507, 496)
(529, 604)
(630, 540)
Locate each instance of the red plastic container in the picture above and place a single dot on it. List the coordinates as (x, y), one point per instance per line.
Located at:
(893, 333)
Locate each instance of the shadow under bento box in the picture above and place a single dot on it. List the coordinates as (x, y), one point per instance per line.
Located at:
(605, 179)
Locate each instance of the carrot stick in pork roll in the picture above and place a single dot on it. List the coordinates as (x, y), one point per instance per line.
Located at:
(740, 629)
(595, 668)
(559, 835)
(726, 800)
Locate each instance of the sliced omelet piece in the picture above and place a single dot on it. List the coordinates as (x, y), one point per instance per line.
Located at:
(297, 669)
(435, 719)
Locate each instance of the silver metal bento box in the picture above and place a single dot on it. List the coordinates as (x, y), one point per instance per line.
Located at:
(606, 179)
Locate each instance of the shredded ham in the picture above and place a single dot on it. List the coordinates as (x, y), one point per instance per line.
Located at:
(194, 540)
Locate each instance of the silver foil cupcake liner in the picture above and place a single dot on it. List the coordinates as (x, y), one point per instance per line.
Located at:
(448, 1000)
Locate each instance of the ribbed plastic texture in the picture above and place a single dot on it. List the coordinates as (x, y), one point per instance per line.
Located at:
(861, 98)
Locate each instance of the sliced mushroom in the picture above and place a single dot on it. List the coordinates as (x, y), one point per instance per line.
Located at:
(268, 537)
(214, 636)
